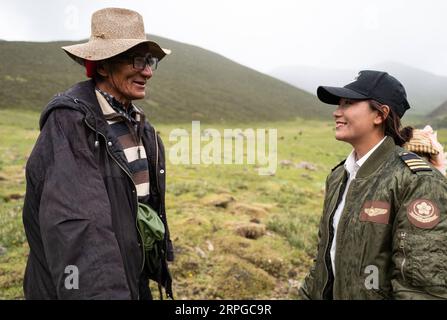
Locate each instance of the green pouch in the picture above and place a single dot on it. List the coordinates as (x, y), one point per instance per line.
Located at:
(152, 231)
(150, 226)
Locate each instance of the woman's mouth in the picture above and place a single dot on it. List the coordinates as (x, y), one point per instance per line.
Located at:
(339, 124)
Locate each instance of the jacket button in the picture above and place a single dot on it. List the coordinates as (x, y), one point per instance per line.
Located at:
(109, 143)
(162, 171)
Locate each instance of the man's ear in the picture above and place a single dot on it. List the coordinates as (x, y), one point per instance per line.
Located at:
(382, 116)
(102, 69)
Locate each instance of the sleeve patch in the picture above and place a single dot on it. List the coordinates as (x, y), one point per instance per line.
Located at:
(423, 214)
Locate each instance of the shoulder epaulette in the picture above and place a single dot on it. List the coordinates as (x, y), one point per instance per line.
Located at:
(341, 163)
(414, 162)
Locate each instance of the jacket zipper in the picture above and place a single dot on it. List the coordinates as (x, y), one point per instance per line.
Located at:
(134, 190)
(340, 196)
(156, 159)
(403, 235)
(156, 174)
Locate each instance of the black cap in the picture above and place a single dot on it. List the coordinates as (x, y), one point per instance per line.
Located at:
(369, 84)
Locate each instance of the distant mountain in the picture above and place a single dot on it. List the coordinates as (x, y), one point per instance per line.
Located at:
(425, 90)
(190, 84)
(439, 116)
(439, 111)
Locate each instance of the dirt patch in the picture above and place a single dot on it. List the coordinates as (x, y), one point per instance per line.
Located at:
(251, 230)
(13, 196)
(254, 211)
(218, 200)
(241, 280)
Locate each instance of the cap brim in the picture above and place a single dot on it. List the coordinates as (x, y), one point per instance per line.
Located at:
(332, 95)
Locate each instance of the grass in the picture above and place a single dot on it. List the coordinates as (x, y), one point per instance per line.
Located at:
(17, 136)
(213, 261)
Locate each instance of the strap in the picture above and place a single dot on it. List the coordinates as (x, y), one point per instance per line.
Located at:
(414, 162)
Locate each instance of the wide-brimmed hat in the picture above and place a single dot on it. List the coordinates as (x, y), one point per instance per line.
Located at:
(113, 31)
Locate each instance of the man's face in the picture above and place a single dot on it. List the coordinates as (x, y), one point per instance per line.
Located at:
(127, 82)
(355, 121)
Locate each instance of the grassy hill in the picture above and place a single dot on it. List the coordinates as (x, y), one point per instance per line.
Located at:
(439, 116)
(440, 111)
(190, 84)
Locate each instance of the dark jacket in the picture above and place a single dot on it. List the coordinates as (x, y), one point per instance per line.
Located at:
(81, 204)
(392, 233)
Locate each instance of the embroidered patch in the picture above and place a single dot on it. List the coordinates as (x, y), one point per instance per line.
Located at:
(423, 213)
(375, 211)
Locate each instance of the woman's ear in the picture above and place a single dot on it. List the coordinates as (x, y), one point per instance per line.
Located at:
(382, 115)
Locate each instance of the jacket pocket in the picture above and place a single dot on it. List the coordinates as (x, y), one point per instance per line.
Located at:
(426, 259)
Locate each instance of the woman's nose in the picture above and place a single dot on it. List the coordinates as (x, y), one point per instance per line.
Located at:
(337, 113)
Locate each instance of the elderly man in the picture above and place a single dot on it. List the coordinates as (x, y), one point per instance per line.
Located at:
(94, 211)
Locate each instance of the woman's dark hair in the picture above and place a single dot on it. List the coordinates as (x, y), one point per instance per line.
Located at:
(392, 125)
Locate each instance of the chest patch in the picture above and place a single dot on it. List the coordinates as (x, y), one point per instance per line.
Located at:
(375, 211)
(423, 213)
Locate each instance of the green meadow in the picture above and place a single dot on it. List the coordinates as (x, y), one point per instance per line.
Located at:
(237, 235)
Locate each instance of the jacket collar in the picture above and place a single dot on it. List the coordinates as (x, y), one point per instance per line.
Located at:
(377, 158)
(82, 98)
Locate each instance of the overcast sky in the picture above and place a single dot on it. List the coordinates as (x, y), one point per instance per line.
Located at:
(262, 34)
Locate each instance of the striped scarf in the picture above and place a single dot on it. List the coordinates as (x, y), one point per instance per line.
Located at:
(127, 125)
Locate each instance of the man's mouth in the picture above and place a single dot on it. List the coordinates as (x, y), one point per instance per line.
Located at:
(140, 83)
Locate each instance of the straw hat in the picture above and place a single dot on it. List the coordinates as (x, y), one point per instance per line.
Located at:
(113, 31)
(421, 143)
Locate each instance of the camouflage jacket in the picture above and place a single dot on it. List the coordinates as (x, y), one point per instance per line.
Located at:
(392, 234)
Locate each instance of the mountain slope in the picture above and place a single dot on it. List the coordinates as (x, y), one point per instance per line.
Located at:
(190, 84)
(425, 90)
(439, 116)
(440, 111)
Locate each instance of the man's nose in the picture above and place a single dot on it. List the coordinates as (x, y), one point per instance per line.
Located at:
(147, 71)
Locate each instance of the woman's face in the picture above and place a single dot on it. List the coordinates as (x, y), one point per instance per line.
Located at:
(355, 121)
(124, 81)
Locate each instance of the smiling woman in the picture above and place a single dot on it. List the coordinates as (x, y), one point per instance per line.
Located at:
(96, 176)
(383, 234)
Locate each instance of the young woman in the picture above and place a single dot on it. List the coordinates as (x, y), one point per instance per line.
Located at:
(383, 233)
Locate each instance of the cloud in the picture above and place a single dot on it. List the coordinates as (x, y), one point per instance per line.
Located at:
(262, 34)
